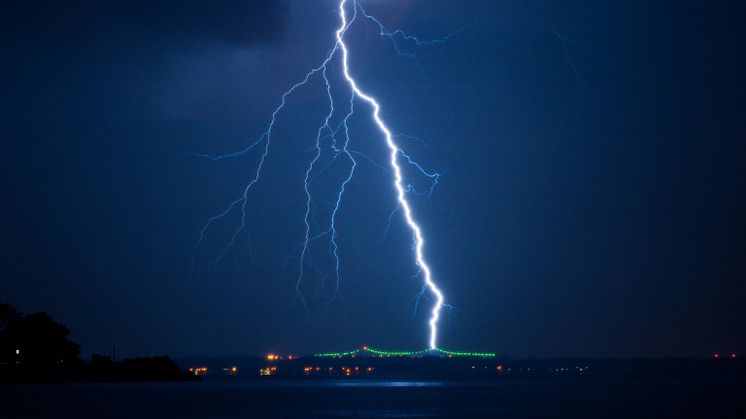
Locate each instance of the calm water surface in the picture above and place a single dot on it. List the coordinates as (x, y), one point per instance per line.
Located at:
(535, 398)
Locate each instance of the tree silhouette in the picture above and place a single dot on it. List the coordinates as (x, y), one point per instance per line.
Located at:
(37, 348)
(44, 342)
(34, 341)
(10, 320)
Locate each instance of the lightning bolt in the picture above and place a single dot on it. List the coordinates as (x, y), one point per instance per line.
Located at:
(328, 142)
(401, 196)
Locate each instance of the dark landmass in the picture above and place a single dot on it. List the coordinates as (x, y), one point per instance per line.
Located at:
(100, 369)
(36, 348)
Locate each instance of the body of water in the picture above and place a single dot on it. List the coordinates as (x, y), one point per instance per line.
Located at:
(531, 398)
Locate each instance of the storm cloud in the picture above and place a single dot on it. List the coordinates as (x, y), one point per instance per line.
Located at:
(235, 22)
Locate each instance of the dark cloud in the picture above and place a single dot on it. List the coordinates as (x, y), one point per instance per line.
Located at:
(235, 22)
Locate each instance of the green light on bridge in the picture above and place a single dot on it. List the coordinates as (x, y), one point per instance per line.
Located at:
(406, 353)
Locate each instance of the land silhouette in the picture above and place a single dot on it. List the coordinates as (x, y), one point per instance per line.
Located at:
(36, 347)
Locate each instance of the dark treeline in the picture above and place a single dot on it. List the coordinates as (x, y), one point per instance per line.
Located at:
(35, 347)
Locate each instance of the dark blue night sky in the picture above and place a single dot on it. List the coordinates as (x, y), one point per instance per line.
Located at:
(591, 200)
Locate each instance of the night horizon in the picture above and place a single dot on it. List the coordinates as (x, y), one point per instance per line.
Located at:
(576, 171)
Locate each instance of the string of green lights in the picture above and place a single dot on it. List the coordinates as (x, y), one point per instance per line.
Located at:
(405, 353)
(337, 354)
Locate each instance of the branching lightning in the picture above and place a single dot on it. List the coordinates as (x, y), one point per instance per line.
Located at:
(335, 139)
(398, 34)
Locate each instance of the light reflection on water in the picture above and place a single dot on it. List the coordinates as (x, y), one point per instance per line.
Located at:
(387, 383)
(343, 383)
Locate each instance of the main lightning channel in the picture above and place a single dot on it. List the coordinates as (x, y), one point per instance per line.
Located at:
(395, 150)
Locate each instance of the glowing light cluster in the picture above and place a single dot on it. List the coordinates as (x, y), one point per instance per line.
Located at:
(337, 354)
(477, 354)
(436, 351)
(198, 370)
(396, 353)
